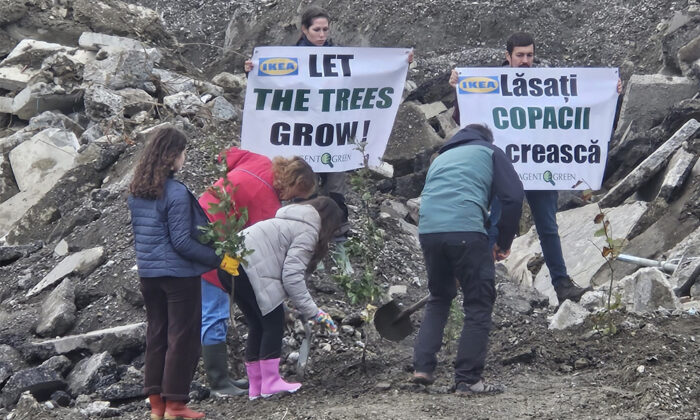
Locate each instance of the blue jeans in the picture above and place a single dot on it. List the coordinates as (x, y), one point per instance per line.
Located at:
(543, 204)
(215, 314)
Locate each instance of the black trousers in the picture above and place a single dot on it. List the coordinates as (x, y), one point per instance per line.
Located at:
(264, 332)
(453, 258)
(174, 319)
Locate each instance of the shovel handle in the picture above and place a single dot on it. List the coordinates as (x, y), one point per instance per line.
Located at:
(416, 306)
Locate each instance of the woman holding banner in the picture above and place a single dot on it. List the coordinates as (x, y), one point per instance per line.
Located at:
(315, 32)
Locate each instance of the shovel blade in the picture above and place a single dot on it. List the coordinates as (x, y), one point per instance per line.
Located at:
(391, 323)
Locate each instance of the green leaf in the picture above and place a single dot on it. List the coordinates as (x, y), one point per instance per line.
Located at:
(600, 232)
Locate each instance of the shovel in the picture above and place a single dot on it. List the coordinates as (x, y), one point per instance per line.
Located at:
(394, 324)
(304, 350)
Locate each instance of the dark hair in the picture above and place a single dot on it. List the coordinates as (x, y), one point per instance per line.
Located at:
(519, 39)
(331, 218)
(483, 129)
(311, 13)
(156, 163)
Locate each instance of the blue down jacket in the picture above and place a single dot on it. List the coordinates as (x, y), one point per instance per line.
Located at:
(165, 234)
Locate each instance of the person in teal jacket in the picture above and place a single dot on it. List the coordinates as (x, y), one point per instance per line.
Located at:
(459, 186)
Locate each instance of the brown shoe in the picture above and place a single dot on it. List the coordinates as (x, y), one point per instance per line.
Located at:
(423, 378)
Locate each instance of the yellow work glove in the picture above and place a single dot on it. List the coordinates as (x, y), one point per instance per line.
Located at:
(230, 265)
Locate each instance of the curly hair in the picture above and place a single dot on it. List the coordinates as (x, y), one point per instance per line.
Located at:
(293, 174)
(331, 218)
(156, 163)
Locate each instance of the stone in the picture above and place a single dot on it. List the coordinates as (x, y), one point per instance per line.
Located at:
(93, 373)
(232, 83)
(594, 300)
(582, 257)
(101, 103)
(410, 229)
(48, 119)
(39, 381)
(384, 169)
(172, 83)
(8, 185)
(410, 136)
(568, 315)
(10, 362)
(448, 126)
(135, 101)
(83, 263)
(695, 291)
(7, 105)
(650, 166)
(39, 97)
(44, 158)
(397, 290)
(183, 103)
(130, 386)
(394, 208)
(121, 68)
(432, 109)
(413, 206)
(115, 340)
(647, 290)
(58, 311)
(61, 248)
(61, 398)
(100, 409)
(518, 298)
(221, 109)
(675, 174)
(95, 41)
(11, 253)
(60, 364)
(16, 77)
(31, 53)
(649, 97)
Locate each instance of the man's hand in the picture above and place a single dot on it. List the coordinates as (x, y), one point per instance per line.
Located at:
(248, 66)
(454, 78)
(410, 57)
(619, 86)
(499, 254)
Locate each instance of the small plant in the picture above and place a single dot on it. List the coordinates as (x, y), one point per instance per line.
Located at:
(603, 321)
(455, 320)
(225, 234)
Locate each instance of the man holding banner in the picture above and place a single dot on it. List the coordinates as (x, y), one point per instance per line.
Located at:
(553, 124)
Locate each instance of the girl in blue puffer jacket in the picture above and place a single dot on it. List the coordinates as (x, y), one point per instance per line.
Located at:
(165, 216)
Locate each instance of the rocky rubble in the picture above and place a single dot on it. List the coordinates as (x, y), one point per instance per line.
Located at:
(80, 89)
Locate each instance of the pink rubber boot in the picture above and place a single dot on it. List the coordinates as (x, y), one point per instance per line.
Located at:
(272, 383)
(254, 379)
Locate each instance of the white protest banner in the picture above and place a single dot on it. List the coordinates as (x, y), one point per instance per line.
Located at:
(319, 103)
(553, 123)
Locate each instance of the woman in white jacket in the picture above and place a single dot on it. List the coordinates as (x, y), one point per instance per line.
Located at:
(286, 249)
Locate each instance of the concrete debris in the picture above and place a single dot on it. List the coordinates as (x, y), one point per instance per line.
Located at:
(82, 263)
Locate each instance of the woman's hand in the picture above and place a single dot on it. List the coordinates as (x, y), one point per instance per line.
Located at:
(248, 66)
(324, 319)
(230, 265)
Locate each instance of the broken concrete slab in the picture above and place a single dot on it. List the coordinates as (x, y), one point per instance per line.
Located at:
(135, 101)
(649, 97)
(10, 362)
(8, 185)
(232, 83)
(48, 119)
(58, 311)
(114, 340)
(432, 109)
(647, 290)
(31, 53)
(45, 157)
(383, 169)
(101, 103)
(6, 105)
(568, 315)
(39, 97)
(676, 173)
(650, 166)
(394, 209)
(94, 41)
(92, 373)
(411, 136)
(183, 103)
(413, 206)
(582, 256)
(172, 83)
(121, 68)
(82, 262)
(15, 78)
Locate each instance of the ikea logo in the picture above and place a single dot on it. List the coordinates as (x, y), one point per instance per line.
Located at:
(478, 84)
(278, 66)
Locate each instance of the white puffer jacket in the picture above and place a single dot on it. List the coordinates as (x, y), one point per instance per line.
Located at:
(283, 248)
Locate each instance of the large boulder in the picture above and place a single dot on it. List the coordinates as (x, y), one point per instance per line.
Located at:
(58, 311)
(41, 382)
(647, 290)
(93, 373)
